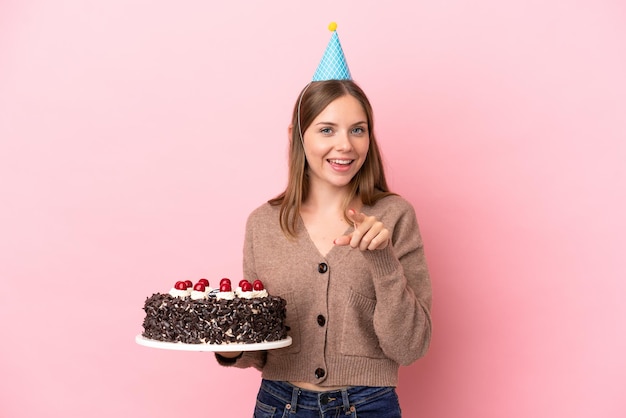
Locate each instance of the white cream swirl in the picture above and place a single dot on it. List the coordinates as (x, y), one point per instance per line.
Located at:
(177, 293)
(199, 295)
(251, 294)
(225, 295)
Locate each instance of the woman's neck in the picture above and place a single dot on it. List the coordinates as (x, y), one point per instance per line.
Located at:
(329, 200)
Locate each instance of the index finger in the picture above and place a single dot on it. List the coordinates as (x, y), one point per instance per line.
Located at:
(355, 217)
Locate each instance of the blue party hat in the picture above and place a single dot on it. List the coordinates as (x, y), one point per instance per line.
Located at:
(333, 65)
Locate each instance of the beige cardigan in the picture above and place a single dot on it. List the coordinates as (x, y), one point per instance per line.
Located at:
(354, 316)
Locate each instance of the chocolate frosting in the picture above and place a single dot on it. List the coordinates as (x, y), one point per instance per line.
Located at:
(214, 321)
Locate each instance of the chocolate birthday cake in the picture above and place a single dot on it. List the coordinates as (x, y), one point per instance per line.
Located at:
(197, 314)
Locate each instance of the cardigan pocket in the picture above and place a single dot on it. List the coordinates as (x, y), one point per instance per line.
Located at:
(359, 337)
(292, 322)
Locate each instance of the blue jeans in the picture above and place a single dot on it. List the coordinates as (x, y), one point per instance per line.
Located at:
(284, 400)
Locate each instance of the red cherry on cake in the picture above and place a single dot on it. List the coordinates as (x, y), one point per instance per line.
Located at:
(200, 287)
(245, 286)
(224, 280)
(258, 285)
(205, 282)
(188, 283)
(180, 286)
(225, 287)
(242, 281)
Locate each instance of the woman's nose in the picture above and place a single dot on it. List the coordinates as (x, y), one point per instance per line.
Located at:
(343, 142)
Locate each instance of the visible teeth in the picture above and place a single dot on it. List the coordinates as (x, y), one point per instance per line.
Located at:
(340, 161)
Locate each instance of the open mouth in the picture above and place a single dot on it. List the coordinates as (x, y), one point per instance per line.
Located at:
(341, 162)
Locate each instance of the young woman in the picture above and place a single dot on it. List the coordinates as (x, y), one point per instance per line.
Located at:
(347, 256)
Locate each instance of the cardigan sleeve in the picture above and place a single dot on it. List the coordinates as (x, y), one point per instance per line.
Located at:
(254, 359)
(402, 319)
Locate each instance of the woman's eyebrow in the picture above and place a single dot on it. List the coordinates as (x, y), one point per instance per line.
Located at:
(334, 124)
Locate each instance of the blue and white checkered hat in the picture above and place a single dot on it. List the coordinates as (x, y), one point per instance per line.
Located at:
(333, 65)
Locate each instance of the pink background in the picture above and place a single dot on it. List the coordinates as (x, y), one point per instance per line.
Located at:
(136, 136)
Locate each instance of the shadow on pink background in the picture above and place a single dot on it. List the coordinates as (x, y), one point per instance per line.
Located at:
(135, 137)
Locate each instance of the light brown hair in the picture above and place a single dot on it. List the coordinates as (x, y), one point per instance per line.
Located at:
(369, 184)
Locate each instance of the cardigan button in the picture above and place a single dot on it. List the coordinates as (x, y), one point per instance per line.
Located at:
(322, 268)
(319, 373)
(321, 321)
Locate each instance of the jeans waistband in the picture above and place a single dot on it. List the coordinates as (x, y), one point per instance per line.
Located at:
(301, 398)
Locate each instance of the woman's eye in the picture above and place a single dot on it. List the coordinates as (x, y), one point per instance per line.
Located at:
(326, 131)
(358, 131)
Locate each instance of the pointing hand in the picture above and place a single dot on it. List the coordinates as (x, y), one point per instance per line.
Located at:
(369, 233)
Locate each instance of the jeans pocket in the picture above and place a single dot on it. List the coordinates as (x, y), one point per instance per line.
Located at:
(262, 410)
(380, 403)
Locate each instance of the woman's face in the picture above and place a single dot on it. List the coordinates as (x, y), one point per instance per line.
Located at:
(336, 143)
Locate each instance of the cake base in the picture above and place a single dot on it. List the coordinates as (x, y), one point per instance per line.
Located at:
(225, 347)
